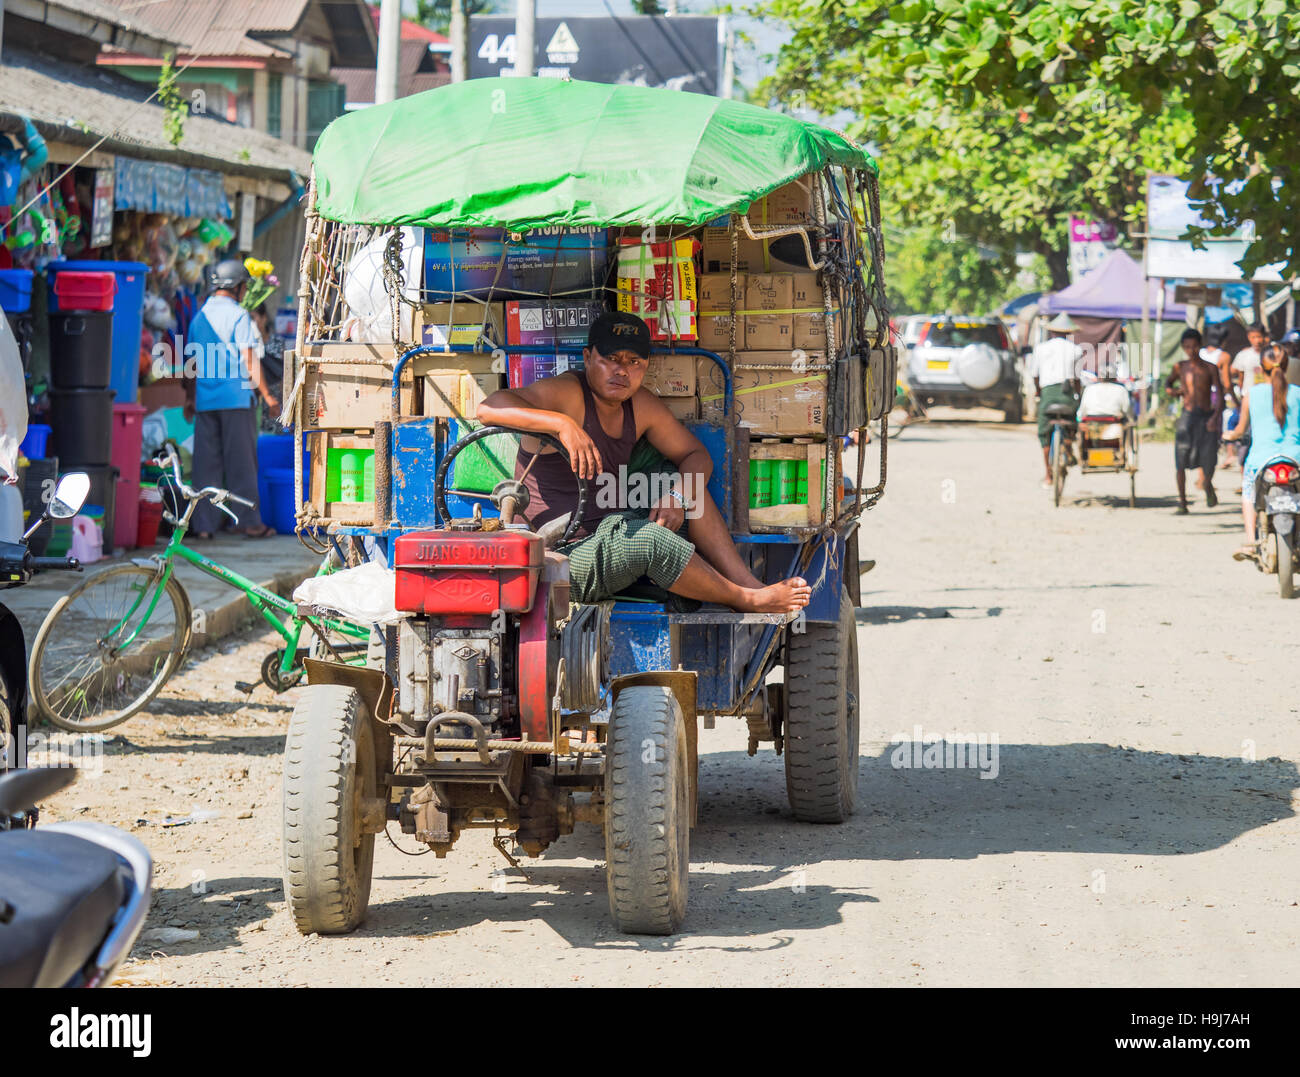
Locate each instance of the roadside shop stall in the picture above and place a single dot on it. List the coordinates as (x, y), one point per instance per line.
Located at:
(463, 240)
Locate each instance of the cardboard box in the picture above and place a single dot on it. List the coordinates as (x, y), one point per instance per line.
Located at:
(456, 394)
(772, 397)
(483, 262)
(356, 391)
(714, 318)
(788, 205)
(548, 324)
(671, 375)
(809, 324)
(464, 322)
(769, 303)
(685, 409)
(656, 282)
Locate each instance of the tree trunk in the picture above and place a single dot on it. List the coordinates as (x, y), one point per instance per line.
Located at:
(1058, 264)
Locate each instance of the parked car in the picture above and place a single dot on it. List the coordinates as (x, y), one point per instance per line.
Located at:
(964, 362)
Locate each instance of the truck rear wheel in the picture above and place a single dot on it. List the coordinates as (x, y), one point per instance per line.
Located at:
(822, 718)
(647, 812)
(329, 772)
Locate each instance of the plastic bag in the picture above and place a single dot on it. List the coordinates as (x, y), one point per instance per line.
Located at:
(369, 316)
(13, 402)
(365, 594)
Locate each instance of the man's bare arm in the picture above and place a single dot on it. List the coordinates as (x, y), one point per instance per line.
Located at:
(546, 407)
(692, 460)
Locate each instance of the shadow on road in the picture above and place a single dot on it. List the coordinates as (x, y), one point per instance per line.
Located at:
(882, 615)
(1098, 799)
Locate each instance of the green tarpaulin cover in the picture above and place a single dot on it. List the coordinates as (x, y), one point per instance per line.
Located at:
(538, 152)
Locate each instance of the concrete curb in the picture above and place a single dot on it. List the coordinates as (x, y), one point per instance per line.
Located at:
(236, 614)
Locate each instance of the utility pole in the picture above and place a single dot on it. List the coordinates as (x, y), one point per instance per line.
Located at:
(390, 38)
(525, 34)
(459, 42)
(726, 58)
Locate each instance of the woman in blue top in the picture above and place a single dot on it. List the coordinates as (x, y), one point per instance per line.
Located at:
(1270, 411)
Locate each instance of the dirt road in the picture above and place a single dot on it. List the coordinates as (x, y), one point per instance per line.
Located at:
(1133, 686)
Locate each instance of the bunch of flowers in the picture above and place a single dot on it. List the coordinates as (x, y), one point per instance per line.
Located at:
(262, 283)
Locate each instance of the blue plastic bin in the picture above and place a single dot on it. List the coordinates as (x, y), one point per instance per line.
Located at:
(128, 320)
(33, 445)
(275, 453)
(15, 290)
(279, 510)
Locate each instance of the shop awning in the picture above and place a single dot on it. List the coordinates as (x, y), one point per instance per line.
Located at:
(157, 187)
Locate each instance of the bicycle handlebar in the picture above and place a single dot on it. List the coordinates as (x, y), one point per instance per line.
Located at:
(69, 563)
(166, 456)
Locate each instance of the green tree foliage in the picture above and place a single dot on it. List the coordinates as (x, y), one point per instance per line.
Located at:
(1232, 65)
(933, 272)
(992, 165)
(174, 106)
(436, 14)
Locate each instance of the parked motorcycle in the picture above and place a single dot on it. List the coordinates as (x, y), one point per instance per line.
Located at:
(17, 566)
(73, 896)
(1277, 504)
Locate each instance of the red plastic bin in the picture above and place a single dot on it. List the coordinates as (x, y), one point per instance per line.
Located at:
(128, 436)
(467, 572)
(78, 290)
(126, 517)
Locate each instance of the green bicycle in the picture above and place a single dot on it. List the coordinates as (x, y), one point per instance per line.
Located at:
(107, 648)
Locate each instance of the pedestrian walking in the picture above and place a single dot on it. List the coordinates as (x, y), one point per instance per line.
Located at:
(225, 425)
(1196, 437)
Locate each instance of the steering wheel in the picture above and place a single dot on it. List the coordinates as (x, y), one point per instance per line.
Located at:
(440, 477)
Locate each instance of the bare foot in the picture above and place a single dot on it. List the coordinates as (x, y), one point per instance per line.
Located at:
(788, 596)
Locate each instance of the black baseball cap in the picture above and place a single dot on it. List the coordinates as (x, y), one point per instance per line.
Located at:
(616, 331)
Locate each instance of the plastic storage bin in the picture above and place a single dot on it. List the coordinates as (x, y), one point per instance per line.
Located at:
(82, 290)
(279, 509)
(33, 444)
(83, 427)
(128, 420)
(81, 349)
(150, 512)
(126, 512)
(128, 319)
(15, 290)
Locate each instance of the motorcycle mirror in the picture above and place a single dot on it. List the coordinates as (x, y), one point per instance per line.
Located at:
(22, 790)
(69, 495)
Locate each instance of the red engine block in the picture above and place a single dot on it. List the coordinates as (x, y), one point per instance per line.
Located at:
(467, 572)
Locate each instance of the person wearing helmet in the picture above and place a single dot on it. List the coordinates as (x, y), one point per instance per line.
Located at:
(1291, 345)
(225, 424)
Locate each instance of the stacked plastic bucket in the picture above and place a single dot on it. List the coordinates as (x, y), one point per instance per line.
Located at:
(81, 400)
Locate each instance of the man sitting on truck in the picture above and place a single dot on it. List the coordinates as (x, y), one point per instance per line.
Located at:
(599, 414)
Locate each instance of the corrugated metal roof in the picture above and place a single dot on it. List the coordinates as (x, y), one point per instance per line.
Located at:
(220, 27)
(125, 15)
(81, 105)
(225, 27)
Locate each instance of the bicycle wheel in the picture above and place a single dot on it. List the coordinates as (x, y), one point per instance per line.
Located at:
(1058, 464)
(107, 648)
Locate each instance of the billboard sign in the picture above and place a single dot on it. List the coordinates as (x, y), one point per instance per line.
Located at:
(1090, 242)
(678, 52)
(1169, 214)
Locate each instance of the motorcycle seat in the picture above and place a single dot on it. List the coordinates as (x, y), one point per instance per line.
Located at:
(58, 897)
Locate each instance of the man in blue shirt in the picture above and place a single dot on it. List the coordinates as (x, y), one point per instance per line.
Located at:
(225, 426)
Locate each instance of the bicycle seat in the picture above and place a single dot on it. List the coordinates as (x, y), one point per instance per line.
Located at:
(61, 894)
(1060, 411)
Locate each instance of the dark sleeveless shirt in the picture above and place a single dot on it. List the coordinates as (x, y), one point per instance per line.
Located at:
(552, 489)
